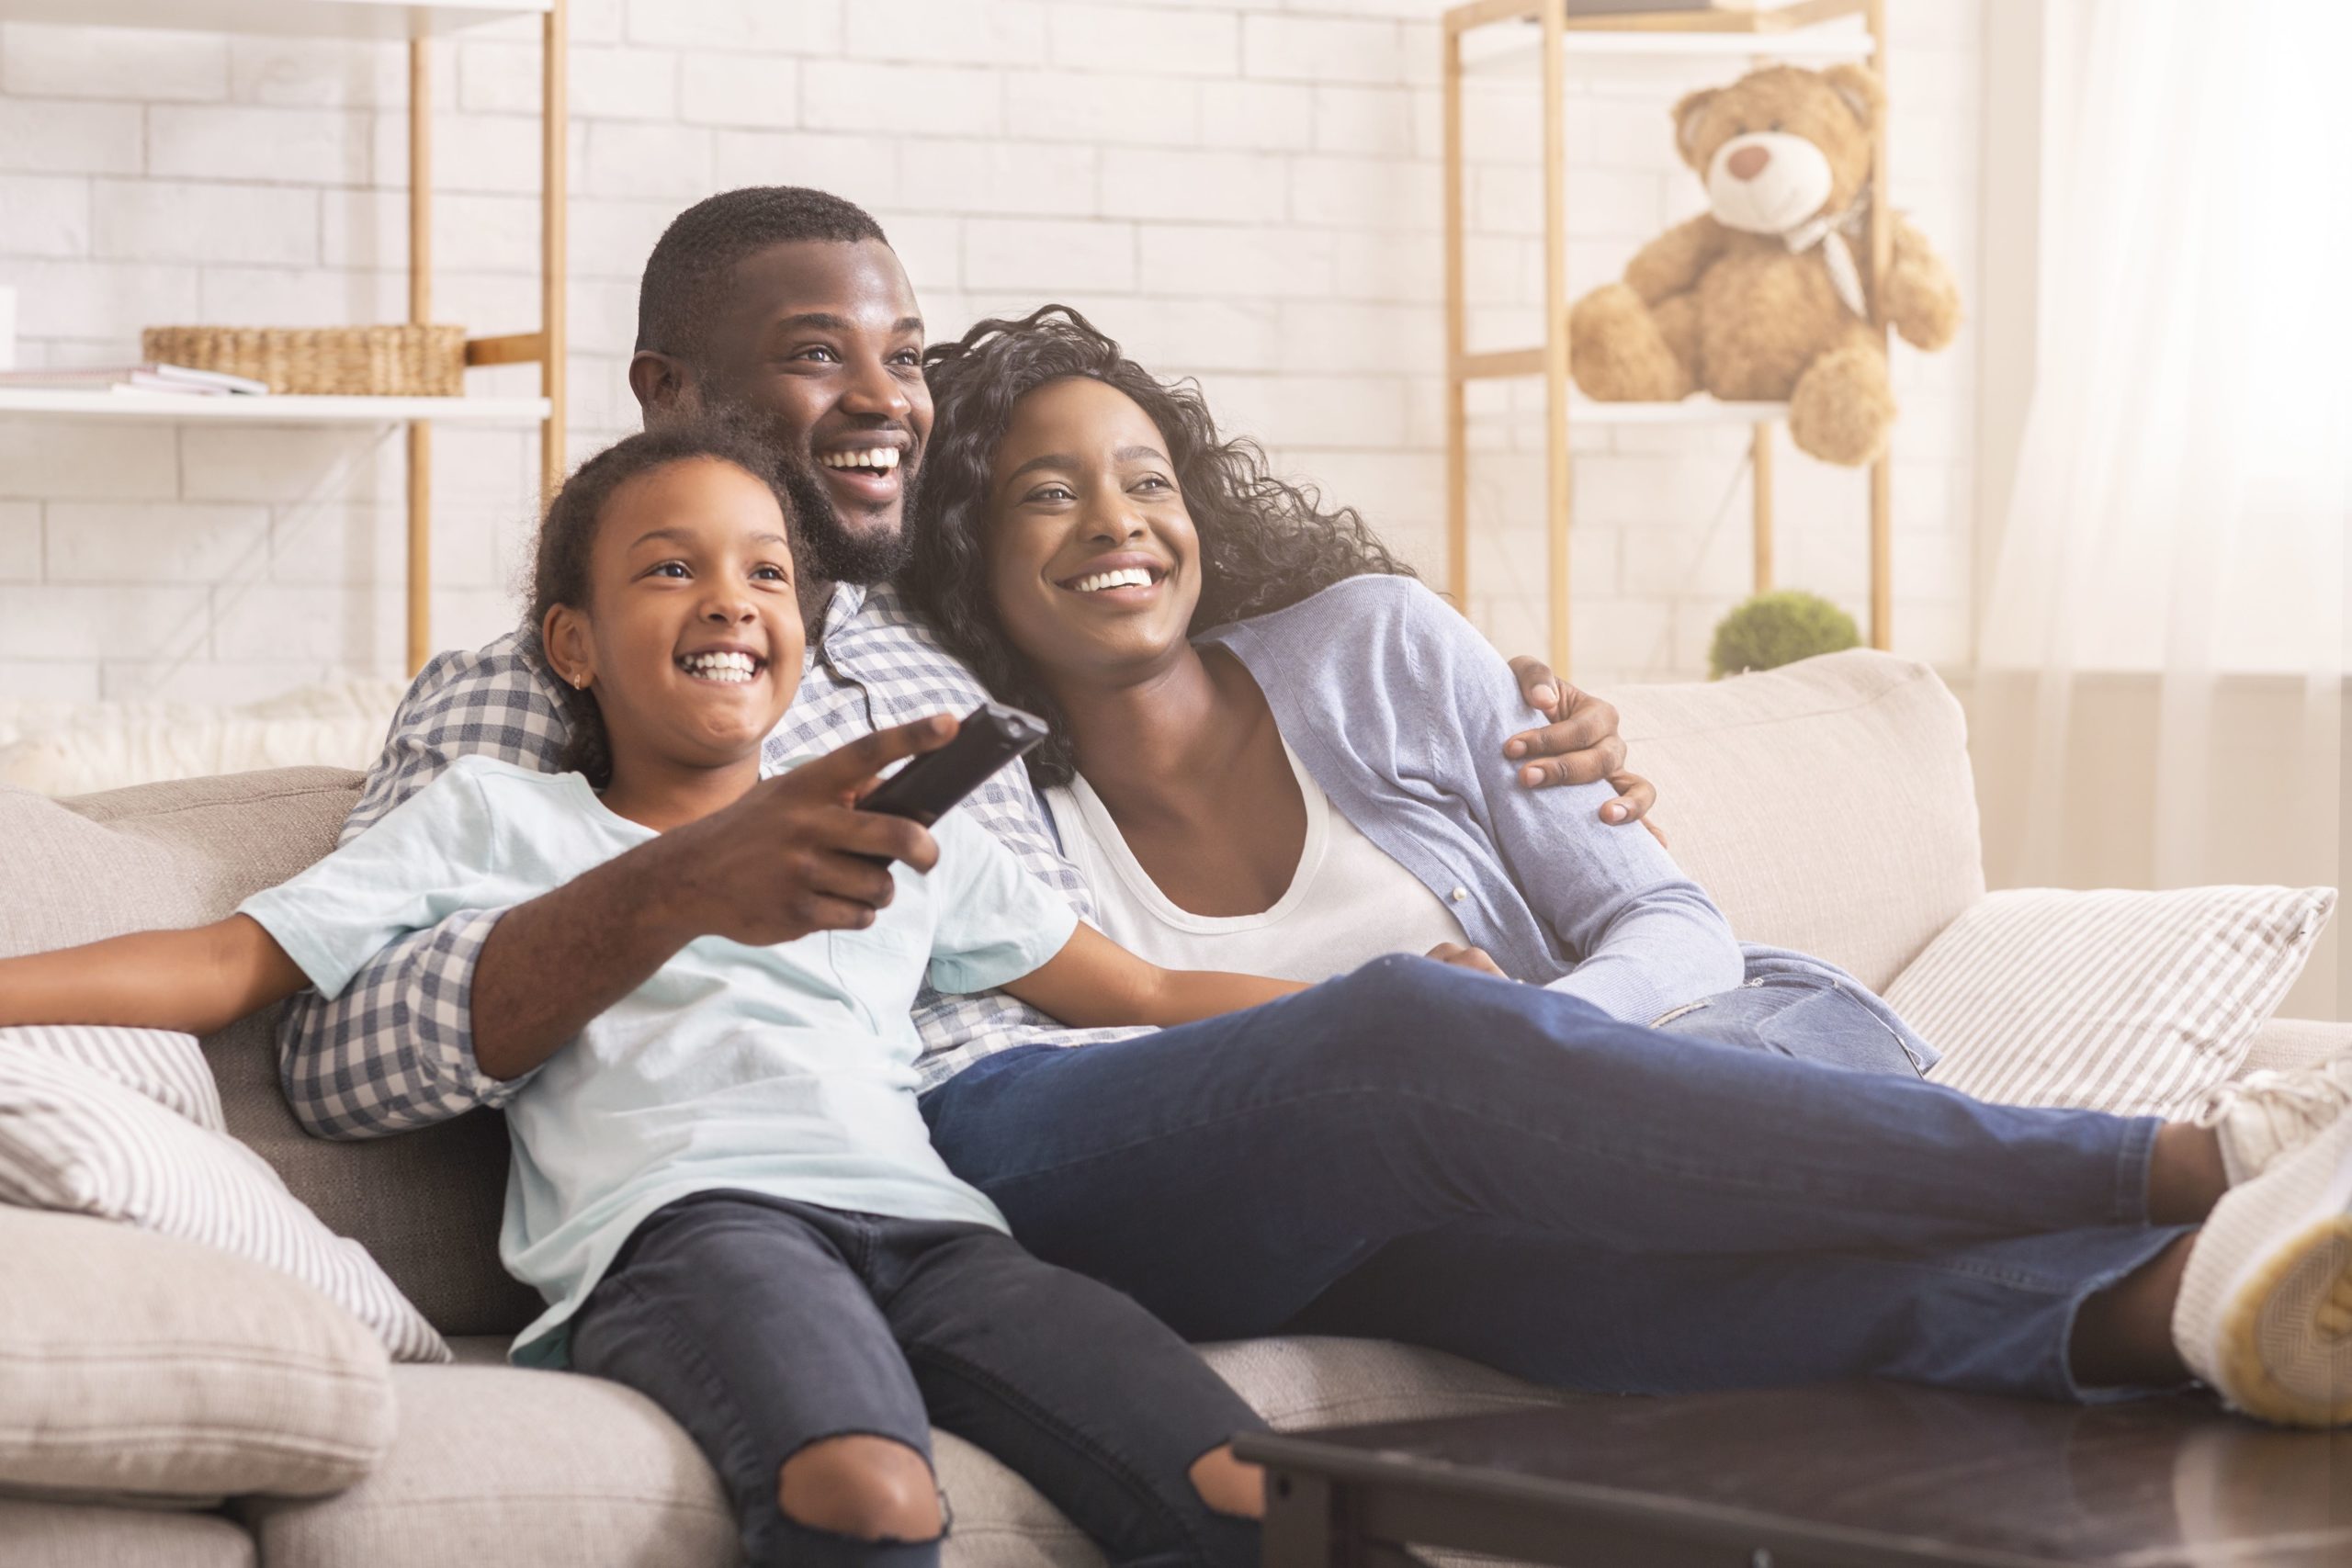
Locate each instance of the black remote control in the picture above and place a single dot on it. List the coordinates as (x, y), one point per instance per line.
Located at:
(927, 787)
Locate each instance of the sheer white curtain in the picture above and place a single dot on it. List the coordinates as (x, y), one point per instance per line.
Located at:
(2164, 646)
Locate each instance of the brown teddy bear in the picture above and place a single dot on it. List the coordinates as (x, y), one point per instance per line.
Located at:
(1763, 296)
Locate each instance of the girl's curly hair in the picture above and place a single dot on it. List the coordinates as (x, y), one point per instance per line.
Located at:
(1264, 544)
(566, 542)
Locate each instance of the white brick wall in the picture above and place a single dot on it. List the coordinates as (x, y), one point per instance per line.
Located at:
(1243, 190)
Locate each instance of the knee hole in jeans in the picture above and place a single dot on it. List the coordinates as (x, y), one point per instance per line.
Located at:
(867, 1488)
(1228, 1486)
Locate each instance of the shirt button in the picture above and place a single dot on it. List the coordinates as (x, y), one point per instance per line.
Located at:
(1459, 894)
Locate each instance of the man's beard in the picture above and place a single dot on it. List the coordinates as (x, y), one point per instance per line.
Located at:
(827, 546)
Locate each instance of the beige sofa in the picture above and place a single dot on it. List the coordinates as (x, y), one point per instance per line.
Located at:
(1828, 807)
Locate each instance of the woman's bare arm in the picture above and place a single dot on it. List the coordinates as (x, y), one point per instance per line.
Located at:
(196, 980)
(1093, 983)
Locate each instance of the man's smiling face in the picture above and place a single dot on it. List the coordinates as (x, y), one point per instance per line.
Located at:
(822, 340)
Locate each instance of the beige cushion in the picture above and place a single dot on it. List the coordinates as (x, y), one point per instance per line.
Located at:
(74, 1139)
(42, 1534)
(132, 1362)
(536, 1469)
(1827, 804)
(2108, 999)
(427, 1205)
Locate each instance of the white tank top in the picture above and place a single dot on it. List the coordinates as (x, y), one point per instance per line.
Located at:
(1348, 902)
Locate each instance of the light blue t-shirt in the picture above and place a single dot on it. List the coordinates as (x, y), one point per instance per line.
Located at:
(787, 1070)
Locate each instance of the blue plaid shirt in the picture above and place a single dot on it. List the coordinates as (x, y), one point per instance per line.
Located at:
(395, 1050)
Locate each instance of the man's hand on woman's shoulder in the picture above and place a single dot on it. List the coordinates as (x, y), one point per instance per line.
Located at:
(1579, 746)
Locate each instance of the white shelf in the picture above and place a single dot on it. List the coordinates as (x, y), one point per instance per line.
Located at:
(1690, 411)
(1495, 51)
(29, 402)
(304, 18)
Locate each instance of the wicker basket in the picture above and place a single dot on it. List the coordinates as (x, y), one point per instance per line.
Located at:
(382, 361)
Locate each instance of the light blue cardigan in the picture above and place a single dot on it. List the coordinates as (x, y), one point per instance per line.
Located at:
(1400, 710)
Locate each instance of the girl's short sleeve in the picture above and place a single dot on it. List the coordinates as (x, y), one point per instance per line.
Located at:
(412, 869)
(995, 921)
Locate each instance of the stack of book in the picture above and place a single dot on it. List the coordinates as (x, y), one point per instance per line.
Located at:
(146, 377)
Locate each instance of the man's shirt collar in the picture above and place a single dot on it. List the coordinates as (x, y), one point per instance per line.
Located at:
(848, 599)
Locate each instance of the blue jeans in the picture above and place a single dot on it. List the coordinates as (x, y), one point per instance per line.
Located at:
(1418, 1152)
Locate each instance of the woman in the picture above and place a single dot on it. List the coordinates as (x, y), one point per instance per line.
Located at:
(1305, 787)
(1281, 797)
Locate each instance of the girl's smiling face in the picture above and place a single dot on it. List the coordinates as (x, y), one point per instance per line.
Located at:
(691, 638)
(1093, 562)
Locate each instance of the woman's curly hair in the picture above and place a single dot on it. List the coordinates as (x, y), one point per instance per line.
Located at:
(566, 542)
(1265, 545)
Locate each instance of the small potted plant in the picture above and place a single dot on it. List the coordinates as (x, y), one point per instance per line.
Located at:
(1774, 629)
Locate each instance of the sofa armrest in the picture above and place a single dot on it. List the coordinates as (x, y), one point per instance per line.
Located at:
(133, 1363)
(2289, 1043)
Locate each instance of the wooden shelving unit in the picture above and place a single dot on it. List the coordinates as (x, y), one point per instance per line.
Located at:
(148, 407)
(373, 20)
(1490, 37)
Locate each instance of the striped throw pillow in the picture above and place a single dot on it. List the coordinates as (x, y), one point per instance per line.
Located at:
(2133, 1002)
(167, 1067)
(76, 1138)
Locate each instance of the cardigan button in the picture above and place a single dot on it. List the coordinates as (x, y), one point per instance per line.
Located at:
(1459, 894)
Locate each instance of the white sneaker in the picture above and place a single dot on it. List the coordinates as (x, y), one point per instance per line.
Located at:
(2265, 1313)
(2266, 1115)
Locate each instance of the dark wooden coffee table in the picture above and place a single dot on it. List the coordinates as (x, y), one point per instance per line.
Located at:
(1861, 1475)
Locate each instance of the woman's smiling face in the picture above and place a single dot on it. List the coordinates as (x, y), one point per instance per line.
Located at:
(1093, 561)
(692, 637)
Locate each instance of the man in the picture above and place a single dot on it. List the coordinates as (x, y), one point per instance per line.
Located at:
(1404, 1153)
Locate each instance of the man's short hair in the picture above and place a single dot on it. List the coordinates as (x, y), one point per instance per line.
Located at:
(686, 278)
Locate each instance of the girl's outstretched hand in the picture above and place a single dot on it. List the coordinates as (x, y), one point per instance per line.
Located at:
(1463, 957)
(796, 855)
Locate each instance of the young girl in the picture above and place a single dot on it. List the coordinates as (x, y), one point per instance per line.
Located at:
(723, 1185)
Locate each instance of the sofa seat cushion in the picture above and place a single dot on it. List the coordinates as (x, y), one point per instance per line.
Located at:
(1828, 805)
(524, 1469)
(36, 1533)
(138, 1363)
(534, 1469)
(1001, 1522)
(1313, 1382)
